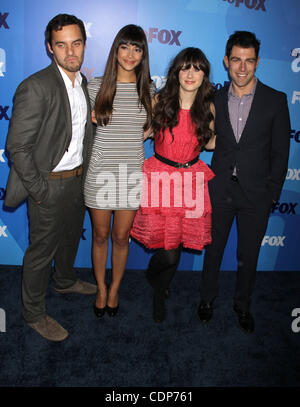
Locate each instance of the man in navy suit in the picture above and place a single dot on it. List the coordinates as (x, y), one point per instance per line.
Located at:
(49, 142)
(250, 164)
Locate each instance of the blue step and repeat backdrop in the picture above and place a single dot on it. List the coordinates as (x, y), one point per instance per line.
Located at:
(170, 25)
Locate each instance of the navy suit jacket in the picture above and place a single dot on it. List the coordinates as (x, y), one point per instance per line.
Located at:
(261, 155)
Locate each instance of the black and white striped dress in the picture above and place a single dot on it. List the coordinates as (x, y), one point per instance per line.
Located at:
(114, 176)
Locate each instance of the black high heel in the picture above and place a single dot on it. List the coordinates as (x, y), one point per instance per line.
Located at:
(99, 312)
(112, 311)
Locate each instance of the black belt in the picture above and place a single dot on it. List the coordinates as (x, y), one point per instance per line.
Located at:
(174, 163)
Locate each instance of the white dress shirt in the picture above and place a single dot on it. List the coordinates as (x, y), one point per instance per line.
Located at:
(72, 158)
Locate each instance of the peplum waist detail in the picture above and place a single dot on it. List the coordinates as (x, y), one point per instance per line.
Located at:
(176, 192)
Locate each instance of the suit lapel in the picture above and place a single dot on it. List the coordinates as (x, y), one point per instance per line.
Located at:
(227, 121)
(85, 91)
(66, 114)
(88, 126)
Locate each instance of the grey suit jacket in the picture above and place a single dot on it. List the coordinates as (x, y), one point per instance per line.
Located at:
(39, 134)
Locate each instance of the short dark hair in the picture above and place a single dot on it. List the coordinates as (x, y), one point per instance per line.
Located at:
(61, 20)
(243, 39)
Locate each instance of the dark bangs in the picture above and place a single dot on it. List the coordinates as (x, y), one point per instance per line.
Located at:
(192, 56)
(132, 35)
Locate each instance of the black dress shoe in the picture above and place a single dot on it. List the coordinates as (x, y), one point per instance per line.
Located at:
(99, 312)
(246, 321)
(112, 311)
(205, 311)
(159, 310)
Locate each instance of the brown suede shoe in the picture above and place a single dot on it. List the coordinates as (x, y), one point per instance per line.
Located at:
(50, 329)
(80, 287)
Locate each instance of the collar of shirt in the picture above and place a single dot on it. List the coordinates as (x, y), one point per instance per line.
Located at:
(67, 80)
(232, 94)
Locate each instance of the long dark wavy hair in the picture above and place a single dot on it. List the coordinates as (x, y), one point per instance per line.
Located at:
(168, 100)
(133, 35)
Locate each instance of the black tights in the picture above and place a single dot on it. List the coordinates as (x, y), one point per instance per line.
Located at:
(162, 268)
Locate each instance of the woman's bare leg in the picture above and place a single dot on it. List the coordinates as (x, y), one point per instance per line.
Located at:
(123, 220)
(101, 220)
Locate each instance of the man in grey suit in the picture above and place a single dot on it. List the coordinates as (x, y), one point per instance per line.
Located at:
(49, 142)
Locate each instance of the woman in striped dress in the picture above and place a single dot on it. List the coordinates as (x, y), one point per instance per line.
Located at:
(121, 103)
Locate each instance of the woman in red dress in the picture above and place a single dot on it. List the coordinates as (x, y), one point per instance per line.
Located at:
(175, 211)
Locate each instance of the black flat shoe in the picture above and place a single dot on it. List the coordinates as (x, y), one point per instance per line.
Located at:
(205, 311)
(112, 311)
(99, 312)
(246, 320)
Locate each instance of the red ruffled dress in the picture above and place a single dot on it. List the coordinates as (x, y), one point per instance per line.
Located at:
(175, 207)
